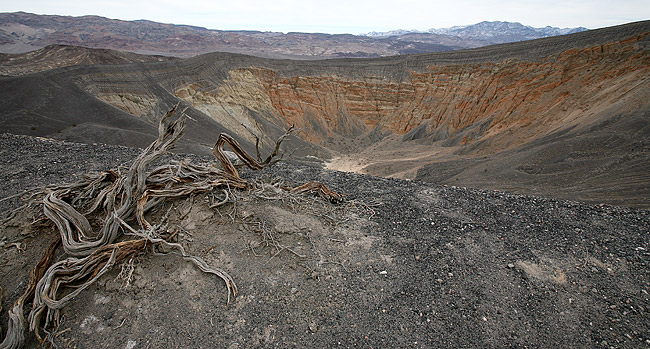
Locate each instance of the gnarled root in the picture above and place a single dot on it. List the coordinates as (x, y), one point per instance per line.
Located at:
(116, 200)
(320, 189)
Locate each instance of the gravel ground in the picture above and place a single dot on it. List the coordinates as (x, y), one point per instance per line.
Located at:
(412, 264)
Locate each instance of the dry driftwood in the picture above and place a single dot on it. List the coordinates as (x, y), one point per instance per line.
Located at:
(320, 189)
(118, 200)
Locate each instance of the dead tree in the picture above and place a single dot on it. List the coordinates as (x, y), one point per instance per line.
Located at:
(120, 200)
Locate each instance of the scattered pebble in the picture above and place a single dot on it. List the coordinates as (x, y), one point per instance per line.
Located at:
(553, 227)
(313, 327)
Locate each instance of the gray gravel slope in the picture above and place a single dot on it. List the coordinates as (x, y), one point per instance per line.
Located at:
(454, 267)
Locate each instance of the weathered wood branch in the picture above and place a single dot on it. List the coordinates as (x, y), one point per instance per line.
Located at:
(118, 199)
(248, 160)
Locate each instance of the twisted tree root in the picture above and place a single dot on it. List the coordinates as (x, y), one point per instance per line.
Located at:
(115, 198)
(320, 189)
(16, 327)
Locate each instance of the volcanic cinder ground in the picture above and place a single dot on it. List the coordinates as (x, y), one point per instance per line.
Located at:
(399, 263)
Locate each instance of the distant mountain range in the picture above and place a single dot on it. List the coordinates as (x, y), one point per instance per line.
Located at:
(494, 32)
(22, 32)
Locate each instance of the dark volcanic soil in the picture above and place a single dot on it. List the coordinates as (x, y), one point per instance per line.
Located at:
(400, 263)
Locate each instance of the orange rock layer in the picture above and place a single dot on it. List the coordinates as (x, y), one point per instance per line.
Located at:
(535, 97)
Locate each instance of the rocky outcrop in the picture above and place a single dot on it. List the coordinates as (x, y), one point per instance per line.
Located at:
(234, 103)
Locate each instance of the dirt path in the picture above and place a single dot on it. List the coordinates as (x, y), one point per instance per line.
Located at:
(391, 158)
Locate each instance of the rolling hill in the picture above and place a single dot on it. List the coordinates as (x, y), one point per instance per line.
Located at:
(21, 32)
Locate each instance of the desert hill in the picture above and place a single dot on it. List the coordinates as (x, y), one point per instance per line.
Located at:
(56, 56)
(565, 116)
(21, 32)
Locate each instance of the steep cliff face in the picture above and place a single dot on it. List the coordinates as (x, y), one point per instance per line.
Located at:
(571, 123)
(478, 100)
(508, 102)
(235, 103)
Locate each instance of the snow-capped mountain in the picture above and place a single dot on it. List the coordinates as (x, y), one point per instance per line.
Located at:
(494, 32)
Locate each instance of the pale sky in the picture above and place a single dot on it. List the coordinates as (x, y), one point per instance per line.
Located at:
(347, 16)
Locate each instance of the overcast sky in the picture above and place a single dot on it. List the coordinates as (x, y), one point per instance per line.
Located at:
(347, 16)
